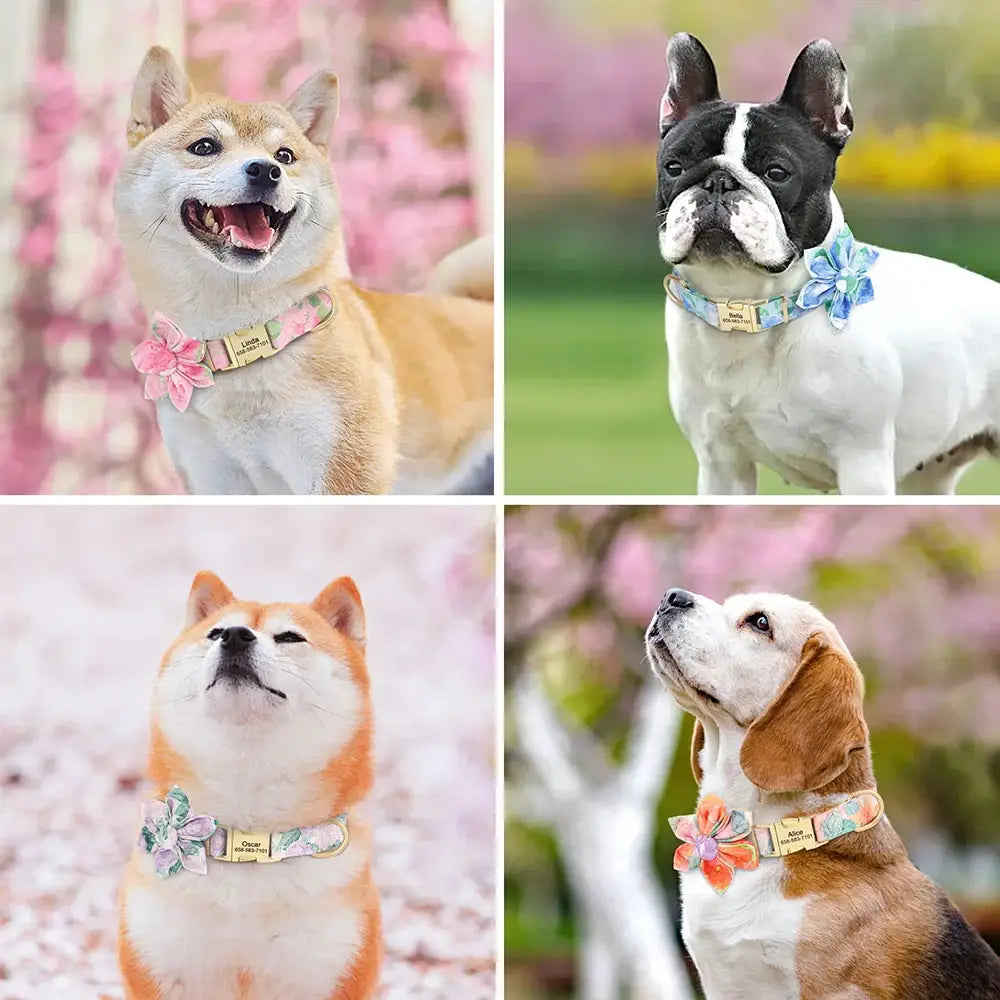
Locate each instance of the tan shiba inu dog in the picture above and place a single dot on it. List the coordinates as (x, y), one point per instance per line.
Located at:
(261, 751)
(230, 219)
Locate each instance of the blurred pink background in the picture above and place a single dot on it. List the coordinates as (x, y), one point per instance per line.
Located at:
(411, 154)
(95, 595)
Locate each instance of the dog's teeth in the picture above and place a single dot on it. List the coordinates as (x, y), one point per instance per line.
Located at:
(209, 218)
(215, 228)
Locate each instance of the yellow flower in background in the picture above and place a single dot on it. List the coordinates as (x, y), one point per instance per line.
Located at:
(939, 158)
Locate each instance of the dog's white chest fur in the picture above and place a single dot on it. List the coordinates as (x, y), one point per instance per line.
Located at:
(271, 923)
(743, 941)
(262, 429)
(915, 374)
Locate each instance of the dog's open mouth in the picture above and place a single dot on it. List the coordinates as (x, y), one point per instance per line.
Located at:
(252, 228)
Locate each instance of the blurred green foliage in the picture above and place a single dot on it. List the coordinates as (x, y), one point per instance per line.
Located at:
(943, 66)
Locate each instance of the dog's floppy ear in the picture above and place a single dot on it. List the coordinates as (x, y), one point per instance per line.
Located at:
(315, 106)
(817, 86)
(340, 605)
(161, 90)
(697, 743)
(208, 595)
(692, 80)
(805, 736)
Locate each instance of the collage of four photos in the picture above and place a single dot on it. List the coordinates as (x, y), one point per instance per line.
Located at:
(500, 500)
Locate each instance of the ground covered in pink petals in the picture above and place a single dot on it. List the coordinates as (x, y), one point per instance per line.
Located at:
(92, 597)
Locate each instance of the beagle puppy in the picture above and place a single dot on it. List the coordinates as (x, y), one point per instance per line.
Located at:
(804, 892)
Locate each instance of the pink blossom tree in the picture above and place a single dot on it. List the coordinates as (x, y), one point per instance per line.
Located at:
(72, 417)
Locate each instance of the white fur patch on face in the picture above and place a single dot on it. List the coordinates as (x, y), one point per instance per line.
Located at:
(711, 647)
(759, 231)
(211, 721)
(678, 230)
(222, 128)
(734, 144)
(756, 224)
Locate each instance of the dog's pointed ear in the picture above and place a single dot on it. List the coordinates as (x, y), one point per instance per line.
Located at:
(817, 86)
(161, 90)
(340, 605)
(692, 80)
(315, 107)
(806, 735)
(208, 595)
(697, 745)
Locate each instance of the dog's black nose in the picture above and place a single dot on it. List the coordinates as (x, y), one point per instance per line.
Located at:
(262, 173)
(236, 638)
(677, 598)
(720, 182)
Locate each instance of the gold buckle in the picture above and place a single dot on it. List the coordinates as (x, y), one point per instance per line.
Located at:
(739, 316)
(243, 845)
(878, 815)
(794, 834)
(341, 847)
(249, 345)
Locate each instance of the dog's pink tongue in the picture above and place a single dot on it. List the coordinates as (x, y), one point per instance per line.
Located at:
(249, 224)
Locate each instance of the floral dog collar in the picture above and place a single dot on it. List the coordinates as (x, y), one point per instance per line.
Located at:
(175, 364)
(178, 840)
(720, 840)
(838, 281)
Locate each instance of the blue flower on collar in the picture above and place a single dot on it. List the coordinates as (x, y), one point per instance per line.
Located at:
(839, 278)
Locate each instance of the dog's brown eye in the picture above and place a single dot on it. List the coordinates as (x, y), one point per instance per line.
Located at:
(776, 173)
(204, 147)
(285, 155)
(289, 637)
(760, 622)
(215, 634)
(674, 169)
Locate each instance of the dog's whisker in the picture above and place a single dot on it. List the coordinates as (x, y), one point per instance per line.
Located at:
(153, 223)
(152, 235)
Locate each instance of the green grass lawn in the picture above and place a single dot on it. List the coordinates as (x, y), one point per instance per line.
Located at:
(586, 363)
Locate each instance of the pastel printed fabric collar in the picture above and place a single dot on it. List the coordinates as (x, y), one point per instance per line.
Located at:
(175, 364)
(179, 840)
(719, 840)
(838, 282)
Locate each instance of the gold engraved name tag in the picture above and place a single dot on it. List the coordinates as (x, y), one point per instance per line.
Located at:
(796, 834)
(738, 316)
(251, 344)
(242, 846)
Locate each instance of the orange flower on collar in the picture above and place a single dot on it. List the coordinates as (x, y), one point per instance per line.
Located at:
(717, 840)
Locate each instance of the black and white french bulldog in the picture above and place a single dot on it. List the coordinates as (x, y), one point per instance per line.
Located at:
(884, 373)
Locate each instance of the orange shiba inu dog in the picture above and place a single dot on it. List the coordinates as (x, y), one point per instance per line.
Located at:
(272, 371)
(261, 751)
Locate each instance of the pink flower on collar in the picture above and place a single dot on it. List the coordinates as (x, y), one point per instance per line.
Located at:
(717, 840)
(172, 363)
